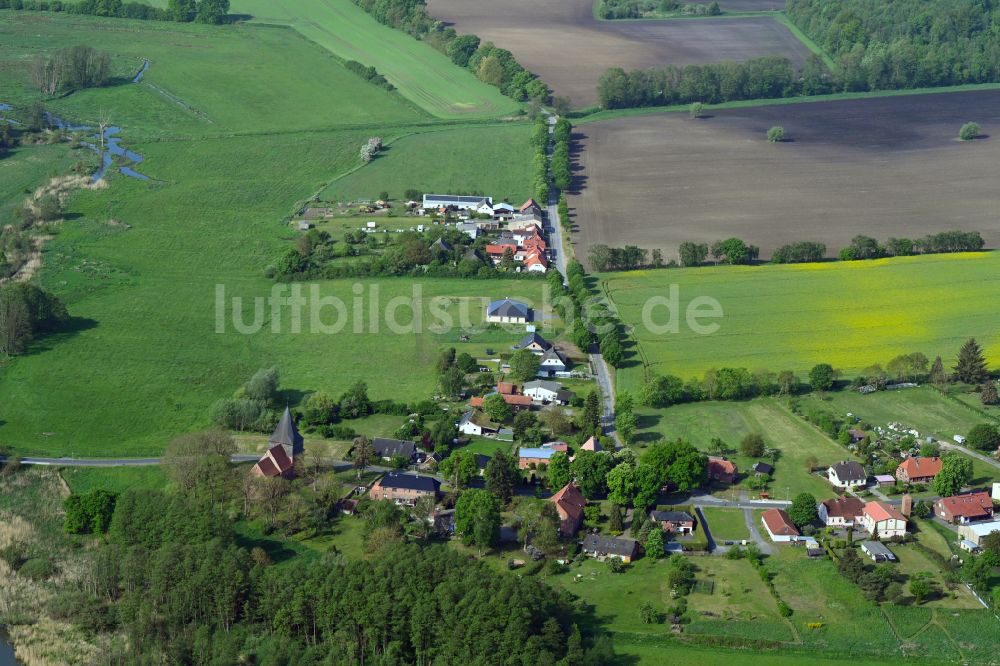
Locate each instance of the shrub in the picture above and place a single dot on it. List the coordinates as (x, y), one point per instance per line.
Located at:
(784, 609)
(776, 134)
(969, 131)
(37, 568)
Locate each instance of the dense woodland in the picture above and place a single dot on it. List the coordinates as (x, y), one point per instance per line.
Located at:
(905, 43)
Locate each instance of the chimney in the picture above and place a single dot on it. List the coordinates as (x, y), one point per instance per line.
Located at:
(907, 505)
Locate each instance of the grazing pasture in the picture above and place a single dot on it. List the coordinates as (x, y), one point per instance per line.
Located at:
(791, 317)
(569, 49)
(883, 167)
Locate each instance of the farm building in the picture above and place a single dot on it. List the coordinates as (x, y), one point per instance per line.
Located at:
(847, 474)
(570, 503)
(762, 468)
(542, 391)
(964, 508)
(605, 547)
(779, 526)
(507, 311)
(877, 551)
(437, 201)
(883, 520)
(918, 470)
(474, 422)
(841, 511)
(976, 531)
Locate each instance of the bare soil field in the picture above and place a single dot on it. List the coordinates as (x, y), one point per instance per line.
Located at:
(562, 42)
(884, 167)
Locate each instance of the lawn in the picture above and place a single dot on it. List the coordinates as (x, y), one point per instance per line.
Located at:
(116, 479)
(726, 524)
(848, 314)
(701, 422)
(493, 160)
(422, 74)
(26, 167)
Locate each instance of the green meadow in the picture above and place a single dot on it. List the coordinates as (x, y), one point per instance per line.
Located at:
(238, 125)
(848, 314)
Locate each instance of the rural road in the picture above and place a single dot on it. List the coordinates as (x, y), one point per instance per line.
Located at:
(969, 452)
(709, 539)
(597, 364)
(707, 500)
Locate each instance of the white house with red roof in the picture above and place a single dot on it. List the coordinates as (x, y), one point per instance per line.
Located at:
(883, 520)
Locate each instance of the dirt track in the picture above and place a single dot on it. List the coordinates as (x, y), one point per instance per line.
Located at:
(882, 167)
(562, 42)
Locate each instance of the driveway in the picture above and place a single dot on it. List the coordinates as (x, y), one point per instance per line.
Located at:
(762, 543)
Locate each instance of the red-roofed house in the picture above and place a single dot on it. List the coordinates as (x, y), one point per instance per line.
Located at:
(779, 525)
(569, 503)
(883, 520)
(518, 402)
(534, 243)
(964, 509)
(535, 262)
(507, 388)
(496, 250)
(918, 470)
(529, 205)
(721, 470)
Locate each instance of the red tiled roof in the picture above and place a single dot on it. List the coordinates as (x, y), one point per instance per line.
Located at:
(267, 467)
(973, 505)
(515, 400)
(844, 507)
(507, 388)
(528, 204)
(498, 249)
(779, 523)
(720, 466)
(916, 468)
(570, 501)
(879, 511)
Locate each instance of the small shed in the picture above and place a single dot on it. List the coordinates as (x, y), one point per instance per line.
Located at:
(884, 480)
(878, 552)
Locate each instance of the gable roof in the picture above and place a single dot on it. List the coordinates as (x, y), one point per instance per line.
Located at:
(507, 308)
(570, 500)
(720, 466)
(387, 448)
(671, 516)
(844, 507)
(410, 482)
(552, 354)
(275, 461)
(918, 467)
(970, 505)
(779, 523)
(877, 549)
(849, 470)
(442, 244)
(762, 468)
(530, 203)
(532, 338)
(599, 543)
(542, 384)
(471, 255)
(539, 452)
(506, 388)
(287, 435)
(879, 511)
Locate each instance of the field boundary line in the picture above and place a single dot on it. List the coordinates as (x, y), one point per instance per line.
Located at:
(782, 18)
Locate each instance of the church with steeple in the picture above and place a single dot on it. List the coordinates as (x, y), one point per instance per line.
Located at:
(284, 444)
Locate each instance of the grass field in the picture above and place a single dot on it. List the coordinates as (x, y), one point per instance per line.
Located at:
(492, 160)
(423, 75)
(848, 314)
(142, 360)
(117, 479)
(699, 423)
(726, 523)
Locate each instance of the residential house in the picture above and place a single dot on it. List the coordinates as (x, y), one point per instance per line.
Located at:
(762, 469)
(965, 508)
(453, 202)
(529, 206)
(517, 402)
(405, 488)
(570, 503)
(503, 208)
(604, 547)
(523, 233)
(535, 262)
(918, 470)
(474, 422)
(499, 248)
(543, 391)
(878, 552)
(387, 449)
(591, 445)
(677, 522)
(534, 343)
(552, 363)
(721, 470)
(507, 311)
(472, 231)
(534, 455)
(282, 446)
(883, 520)
(841, 511)
(441, 245)
(976, 531)
(484, 207)
(847, 474)
(779, 526)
